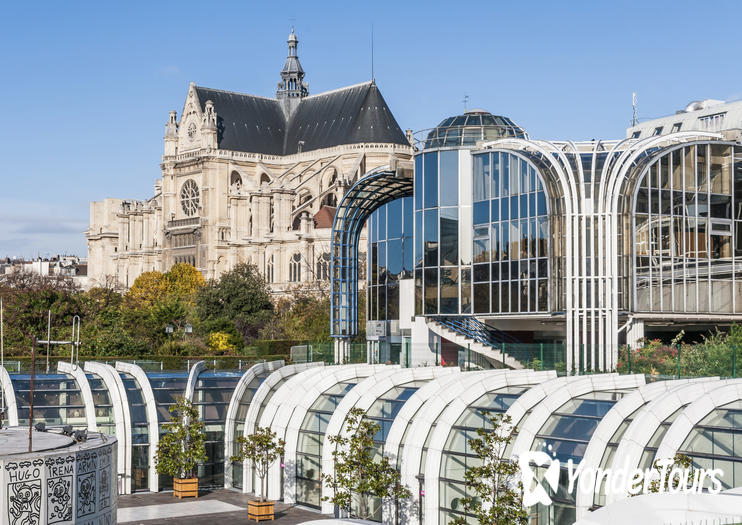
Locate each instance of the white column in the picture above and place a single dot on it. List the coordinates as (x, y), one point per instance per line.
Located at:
(87, 395)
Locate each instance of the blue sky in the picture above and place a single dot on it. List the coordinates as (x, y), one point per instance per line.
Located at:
(85, 88)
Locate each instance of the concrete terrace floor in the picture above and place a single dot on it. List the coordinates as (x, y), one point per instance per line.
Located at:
(142, 507)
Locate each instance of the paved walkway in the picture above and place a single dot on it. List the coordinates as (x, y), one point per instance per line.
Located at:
(225, 506)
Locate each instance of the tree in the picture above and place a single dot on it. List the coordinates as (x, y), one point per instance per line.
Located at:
(304, 315)
(239, 300)
(495, 484)
(183, 445)
(183, 281)
(262, 450)
(360, 472)
(148, 289)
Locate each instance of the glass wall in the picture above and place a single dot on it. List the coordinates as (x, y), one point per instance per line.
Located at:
(239, 424)
(511, 229)
(716, 442)
(565, 435)
(167, 387)
(457, 453)
(57, 399)
(309, 448)
(390, 257)
(103, 406)
(211, 398)
(139, 434)
(687, 224)
(437, 232)
(383, 411)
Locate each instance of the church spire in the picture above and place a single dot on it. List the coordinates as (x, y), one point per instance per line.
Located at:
(292, 83)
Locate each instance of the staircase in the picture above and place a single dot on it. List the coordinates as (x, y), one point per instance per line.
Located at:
(470, 332)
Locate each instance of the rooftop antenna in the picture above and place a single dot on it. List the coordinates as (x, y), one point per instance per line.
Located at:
(373, 78)
(633, 103)
(465, 101)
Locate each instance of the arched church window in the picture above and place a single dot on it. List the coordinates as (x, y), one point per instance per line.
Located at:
(329, 200)
(235, 181)
(189, 197)
(269, 270)
(323, 267)
(295, 268)
(265, 179)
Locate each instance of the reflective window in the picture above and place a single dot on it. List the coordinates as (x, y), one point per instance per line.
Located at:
(211, 398)
(309, 448)
(565, 435)
(685, 231)
(239, 423)
(511, 230)
(57, 400)
(457, 454)
(716, 442)
(390, 256)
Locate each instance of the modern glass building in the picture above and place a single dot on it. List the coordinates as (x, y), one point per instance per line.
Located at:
(583, 245)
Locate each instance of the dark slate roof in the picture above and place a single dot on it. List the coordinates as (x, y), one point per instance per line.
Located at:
(351, 115)
(246, 122)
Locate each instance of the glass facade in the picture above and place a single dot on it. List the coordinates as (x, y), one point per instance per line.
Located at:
(565, 435)
(239, 426)
(457, 453)
(688, 231)
(309, 449)
(167, 387)
(498, 262)
(139, 434)
(510, 252)
(57, 399)
(211, 398)
(390, 257)
(716, 442)
(383, 411)
(103, 406)
(437, 257)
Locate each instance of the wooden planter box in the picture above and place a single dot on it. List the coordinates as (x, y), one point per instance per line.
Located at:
(185, 488)
(260, 510)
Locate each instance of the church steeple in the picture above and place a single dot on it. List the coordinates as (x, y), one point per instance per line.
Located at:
(292, 83)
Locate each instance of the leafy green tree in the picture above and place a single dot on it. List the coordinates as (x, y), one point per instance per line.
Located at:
(262, 449)
(183, 445)
(360, 472)
(497, 492)
(303, 315)
(238, 299)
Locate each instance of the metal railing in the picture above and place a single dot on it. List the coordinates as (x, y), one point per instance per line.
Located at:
(473, 328)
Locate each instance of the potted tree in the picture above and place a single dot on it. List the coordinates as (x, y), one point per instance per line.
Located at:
(262, 449)
(181, 448)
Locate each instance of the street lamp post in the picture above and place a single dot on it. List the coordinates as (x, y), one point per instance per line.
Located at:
(169, 330)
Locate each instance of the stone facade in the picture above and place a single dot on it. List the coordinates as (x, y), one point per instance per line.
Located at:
(248, 179)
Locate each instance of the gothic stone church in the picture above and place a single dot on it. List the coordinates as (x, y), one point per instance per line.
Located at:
(248, 179)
